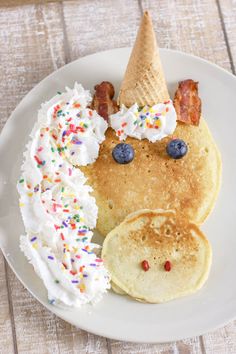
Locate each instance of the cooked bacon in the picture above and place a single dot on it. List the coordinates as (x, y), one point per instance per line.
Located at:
(103, 101)
(187, 102)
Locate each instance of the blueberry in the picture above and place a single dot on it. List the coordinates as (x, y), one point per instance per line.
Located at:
(123, 153)
(177, 148)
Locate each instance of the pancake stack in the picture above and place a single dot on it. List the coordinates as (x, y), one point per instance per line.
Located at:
(155, 181)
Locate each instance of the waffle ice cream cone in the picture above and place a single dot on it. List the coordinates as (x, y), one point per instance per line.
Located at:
(144, 81)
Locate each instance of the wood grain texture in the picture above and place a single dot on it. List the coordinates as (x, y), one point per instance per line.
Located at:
(222, 341)
(181, 347)
(93, 26)
(27, 47)
(8, 3)
(227, 9)
(6, 338)
(35, 40)
(190, 26)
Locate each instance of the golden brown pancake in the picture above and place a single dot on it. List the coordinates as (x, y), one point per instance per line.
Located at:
(177, 256)
(153, 180)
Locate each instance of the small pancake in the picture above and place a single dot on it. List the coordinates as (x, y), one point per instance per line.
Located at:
(157, 236)
(153, 180)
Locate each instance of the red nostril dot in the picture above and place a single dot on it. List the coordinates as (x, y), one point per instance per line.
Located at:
(145, 265)
(167, 266)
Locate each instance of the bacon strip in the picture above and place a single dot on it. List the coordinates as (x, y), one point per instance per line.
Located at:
(103, 101)
(187, 102)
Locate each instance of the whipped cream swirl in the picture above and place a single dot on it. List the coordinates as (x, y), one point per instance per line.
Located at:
(153, 123)
(57, 208)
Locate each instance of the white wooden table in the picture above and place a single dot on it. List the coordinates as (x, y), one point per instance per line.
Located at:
(37, 38)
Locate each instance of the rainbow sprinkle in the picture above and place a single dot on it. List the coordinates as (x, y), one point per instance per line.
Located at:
(56, 191)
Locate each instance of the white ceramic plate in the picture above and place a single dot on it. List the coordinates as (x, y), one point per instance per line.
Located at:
(117, 316)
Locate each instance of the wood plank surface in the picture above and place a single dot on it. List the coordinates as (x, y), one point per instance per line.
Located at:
(6, 330)
(26, 49)
(36, 39)
(9, 3)
(222, 341)
(187, 346)
(227, 10)
(93, 26)
(190, 26)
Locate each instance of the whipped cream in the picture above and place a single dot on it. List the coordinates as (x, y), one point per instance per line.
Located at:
(57, 208)
(153, 123)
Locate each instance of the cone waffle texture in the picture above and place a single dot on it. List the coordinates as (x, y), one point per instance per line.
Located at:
(144, 81)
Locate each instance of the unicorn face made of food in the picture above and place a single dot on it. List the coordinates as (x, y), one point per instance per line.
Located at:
(91, 162)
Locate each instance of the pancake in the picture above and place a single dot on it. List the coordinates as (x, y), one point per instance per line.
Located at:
(157, 237)
(117, 289)
(153, 180)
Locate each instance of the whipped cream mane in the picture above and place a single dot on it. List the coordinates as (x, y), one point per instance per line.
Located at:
(153, 123)
(57, 208)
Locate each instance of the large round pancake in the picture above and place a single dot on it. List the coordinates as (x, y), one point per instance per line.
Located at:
(157, 236)
(153, 180)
